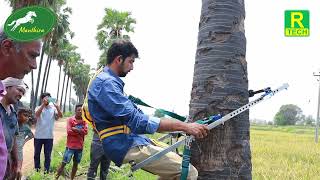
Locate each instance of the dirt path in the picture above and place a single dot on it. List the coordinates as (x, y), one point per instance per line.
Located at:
(28, 149)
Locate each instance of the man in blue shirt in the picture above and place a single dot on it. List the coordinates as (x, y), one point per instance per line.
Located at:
(121, 124)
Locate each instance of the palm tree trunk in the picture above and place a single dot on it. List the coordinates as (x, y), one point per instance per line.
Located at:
(45, 73)
(39, 73)
(32, 91)
(70, 95)
(66, 93)
(81, 98)
(64, 79)
(20, 4)
(59, 81)
(220, 85)
(48, 72)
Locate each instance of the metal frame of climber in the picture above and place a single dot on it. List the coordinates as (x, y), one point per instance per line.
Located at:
(212, 121)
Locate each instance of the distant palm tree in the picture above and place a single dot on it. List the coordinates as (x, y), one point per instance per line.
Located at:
(80, 77)
(66, 93)
(72, 61)
(54, 4)
(59, 34)
(46, 70)
(114, 25)
(60, 65)
(61, 96)
(32, 91)
(65, 51)
(70, 95)
(220, 85)
(44, 47)
(57, 46)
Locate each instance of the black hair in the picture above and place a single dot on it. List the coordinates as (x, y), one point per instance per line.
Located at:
(44, 94)
(24, 110)
(3, 36)
(78, 105)
(121, 47)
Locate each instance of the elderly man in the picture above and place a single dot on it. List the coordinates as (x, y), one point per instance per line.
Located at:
(16, 60)
(15, 89)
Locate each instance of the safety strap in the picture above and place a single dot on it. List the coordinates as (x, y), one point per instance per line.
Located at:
(159, 143)
(186, 159)
(87, 117)
(85, 109)
(207, 120)
(121, 129)
(168, 113)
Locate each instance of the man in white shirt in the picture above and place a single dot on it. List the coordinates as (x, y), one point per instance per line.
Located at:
(46, 114)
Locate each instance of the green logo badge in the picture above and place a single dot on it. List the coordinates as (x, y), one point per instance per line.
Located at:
(296, 23)
(29, 23)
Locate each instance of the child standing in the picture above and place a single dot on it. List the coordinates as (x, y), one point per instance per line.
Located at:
(24, 134)
(76, 130)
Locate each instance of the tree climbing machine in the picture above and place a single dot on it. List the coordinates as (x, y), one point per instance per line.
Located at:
(212, 122)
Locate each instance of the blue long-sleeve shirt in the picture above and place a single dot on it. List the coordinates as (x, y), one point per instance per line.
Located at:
(108, 104)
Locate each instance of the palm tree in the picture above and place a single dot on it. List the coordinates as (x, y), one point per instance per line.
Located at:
(16, 4)
(64, 79)
(49, 59)
(74, 71)
(73, 61)
(44, 47)
(64, 52)
(114, 25)
(60, 62)
(55, 5)
(220, 85)
(52, 4)
(72, 58)
(66, 93)
(59, 34)
(47, 75)
(81, 76)
(57, 46)
(70, 87)
(32, 91)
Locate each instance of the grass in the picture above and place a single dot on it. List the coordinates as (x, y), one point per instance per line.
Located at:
(56, 158)
(286, 152)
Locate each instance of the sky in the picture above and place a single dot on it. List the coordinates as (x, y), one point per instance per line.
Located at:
(166, 37)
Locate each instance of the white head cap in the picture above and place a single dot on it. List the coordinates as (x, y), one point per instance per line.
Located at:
(10, 81)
